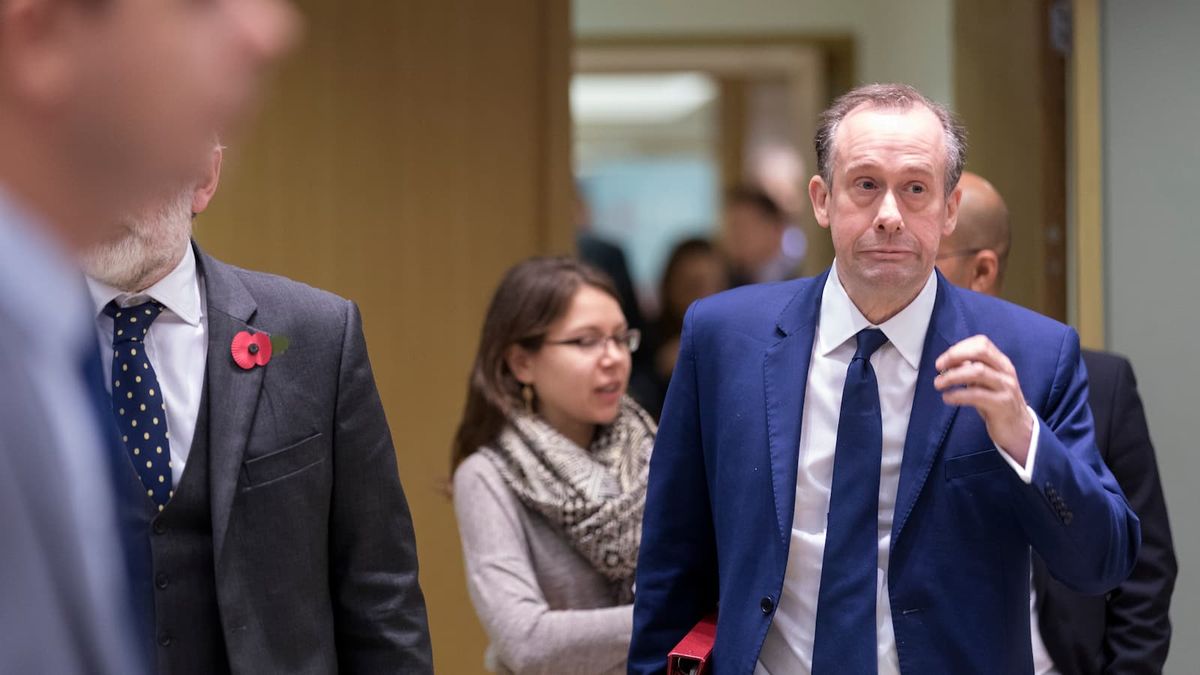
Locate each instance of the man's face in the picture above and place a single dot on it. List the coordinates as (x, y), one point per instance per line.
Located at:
(886, 209)
(150, 239)
(154, 79)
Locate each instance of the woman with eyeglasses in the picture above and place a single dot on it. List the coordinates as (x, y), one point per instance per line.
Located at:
(550, 464)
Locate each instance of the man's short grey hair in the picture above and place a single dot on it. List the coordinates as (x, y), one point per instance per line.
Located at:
(890, 97)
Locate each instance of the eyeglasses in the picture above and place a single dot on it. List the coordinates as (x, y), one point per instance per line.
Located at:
(594, 345)
(958, 254)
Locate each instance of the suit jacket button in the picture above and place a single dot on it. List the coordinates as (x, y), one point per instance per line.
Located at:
(161, 580)
(164, 640)
(767, 605)
(159, 526)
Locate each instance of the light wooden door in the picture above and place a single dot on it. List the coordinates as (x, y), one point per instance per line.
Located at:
(409, 154)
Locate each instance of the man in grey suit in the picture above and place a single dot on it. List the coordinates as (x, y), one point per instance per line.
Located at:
(281, 539)
(95, 97)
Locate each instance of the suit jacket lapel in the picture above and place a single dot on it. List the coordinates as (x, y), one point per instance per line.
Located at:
(930, 420)
(233, 392)
(785, 375)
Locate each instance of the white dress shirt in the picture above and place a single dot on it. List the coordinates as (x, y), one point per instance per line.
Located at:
(788, 647)
(1042, 663)
(177, 347)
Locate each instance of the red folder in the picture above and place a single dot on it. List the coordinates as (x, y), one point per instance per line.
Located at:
(691, 656)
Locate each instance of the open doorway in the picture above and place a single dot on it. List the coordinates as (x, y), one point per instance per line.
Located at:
(663, 129)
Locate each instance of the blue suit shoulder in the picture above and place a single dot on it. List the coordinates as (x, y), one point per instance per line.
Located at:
(1044, 351)
(753, 309)
(1019, 332)
(995, 315)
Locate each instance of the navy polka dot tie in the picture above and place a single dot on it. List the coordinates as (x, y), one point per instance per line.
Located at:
(137, 399)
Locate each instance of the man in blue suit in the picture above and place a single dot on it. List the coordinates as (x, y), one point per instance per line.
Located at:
(852, 469)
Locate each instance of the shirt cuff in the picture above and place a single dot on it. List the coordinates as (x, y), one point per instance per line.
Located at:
(1025, 472)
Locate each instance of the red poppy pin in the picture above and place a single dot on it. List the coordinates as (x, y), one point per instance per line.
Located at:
(256, 349)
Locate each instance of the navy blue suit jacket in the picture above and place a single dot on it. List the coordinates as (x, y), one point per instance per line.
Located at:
(718, 517)
(1127, 631)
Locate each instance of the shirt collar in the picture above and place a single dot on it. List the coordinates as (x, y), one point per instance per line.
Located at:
(179, 291)
(841, 320)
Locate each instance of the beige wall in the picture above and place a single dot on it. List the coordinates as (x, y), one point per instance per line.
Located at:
(907, 41)
(411, 153)
(1150, 91)
(1008, 95)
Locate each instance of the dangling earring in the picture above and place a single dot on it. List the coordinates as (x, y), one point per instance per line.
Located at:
(527, 394)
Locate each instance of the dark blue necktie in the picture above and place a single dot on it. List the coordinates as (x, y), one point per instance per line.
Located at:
(845, 640)
(137, 400)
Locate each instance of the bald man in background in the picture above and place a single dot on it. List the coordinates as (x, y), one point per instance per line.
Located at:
(1128, 630)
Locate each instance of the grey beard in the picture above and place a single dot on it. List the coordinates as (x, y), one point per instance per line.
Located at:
(151, 246)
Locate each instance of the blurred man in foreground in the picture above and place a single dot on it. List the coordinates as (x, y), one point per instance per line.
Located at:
(1127, 630)
(98, 99)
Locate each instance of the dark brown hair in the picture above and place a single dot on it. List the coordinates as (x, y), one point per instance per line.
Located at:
(890, 97)
(670, 318)
(758, 199)
(531, 296)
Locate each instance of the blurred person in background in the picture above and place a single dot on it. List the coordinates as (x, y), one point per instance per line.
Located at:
(694, 270)
(99, 99)
(550, 463)
(761, 245)
(610, 258)
(251, 459)
(1127, 630)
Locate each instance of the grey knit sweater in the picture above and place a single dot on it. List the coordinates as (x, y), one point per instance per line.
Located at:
(545, 609)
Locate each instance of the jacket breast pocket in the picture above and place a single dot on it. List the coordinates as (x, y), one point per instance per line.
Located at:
(974, 463)
(284, 462)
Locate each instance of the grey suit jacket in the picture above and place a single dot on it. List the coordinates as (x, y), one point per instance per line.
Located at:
(313, 544)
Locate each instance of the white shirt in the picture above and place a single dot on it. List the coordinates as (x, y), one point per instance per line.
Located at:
(1042, 663)
(177, 347)
(42, 298)
(788, 647)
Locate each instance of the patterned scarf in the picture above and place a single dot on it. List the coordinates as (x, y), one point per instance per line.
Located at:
(594, 497)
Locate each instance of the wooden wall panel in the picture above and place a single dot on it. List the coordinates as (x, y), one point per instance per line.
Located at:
(408, 155)
(1087, 181)
(1009, 88)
